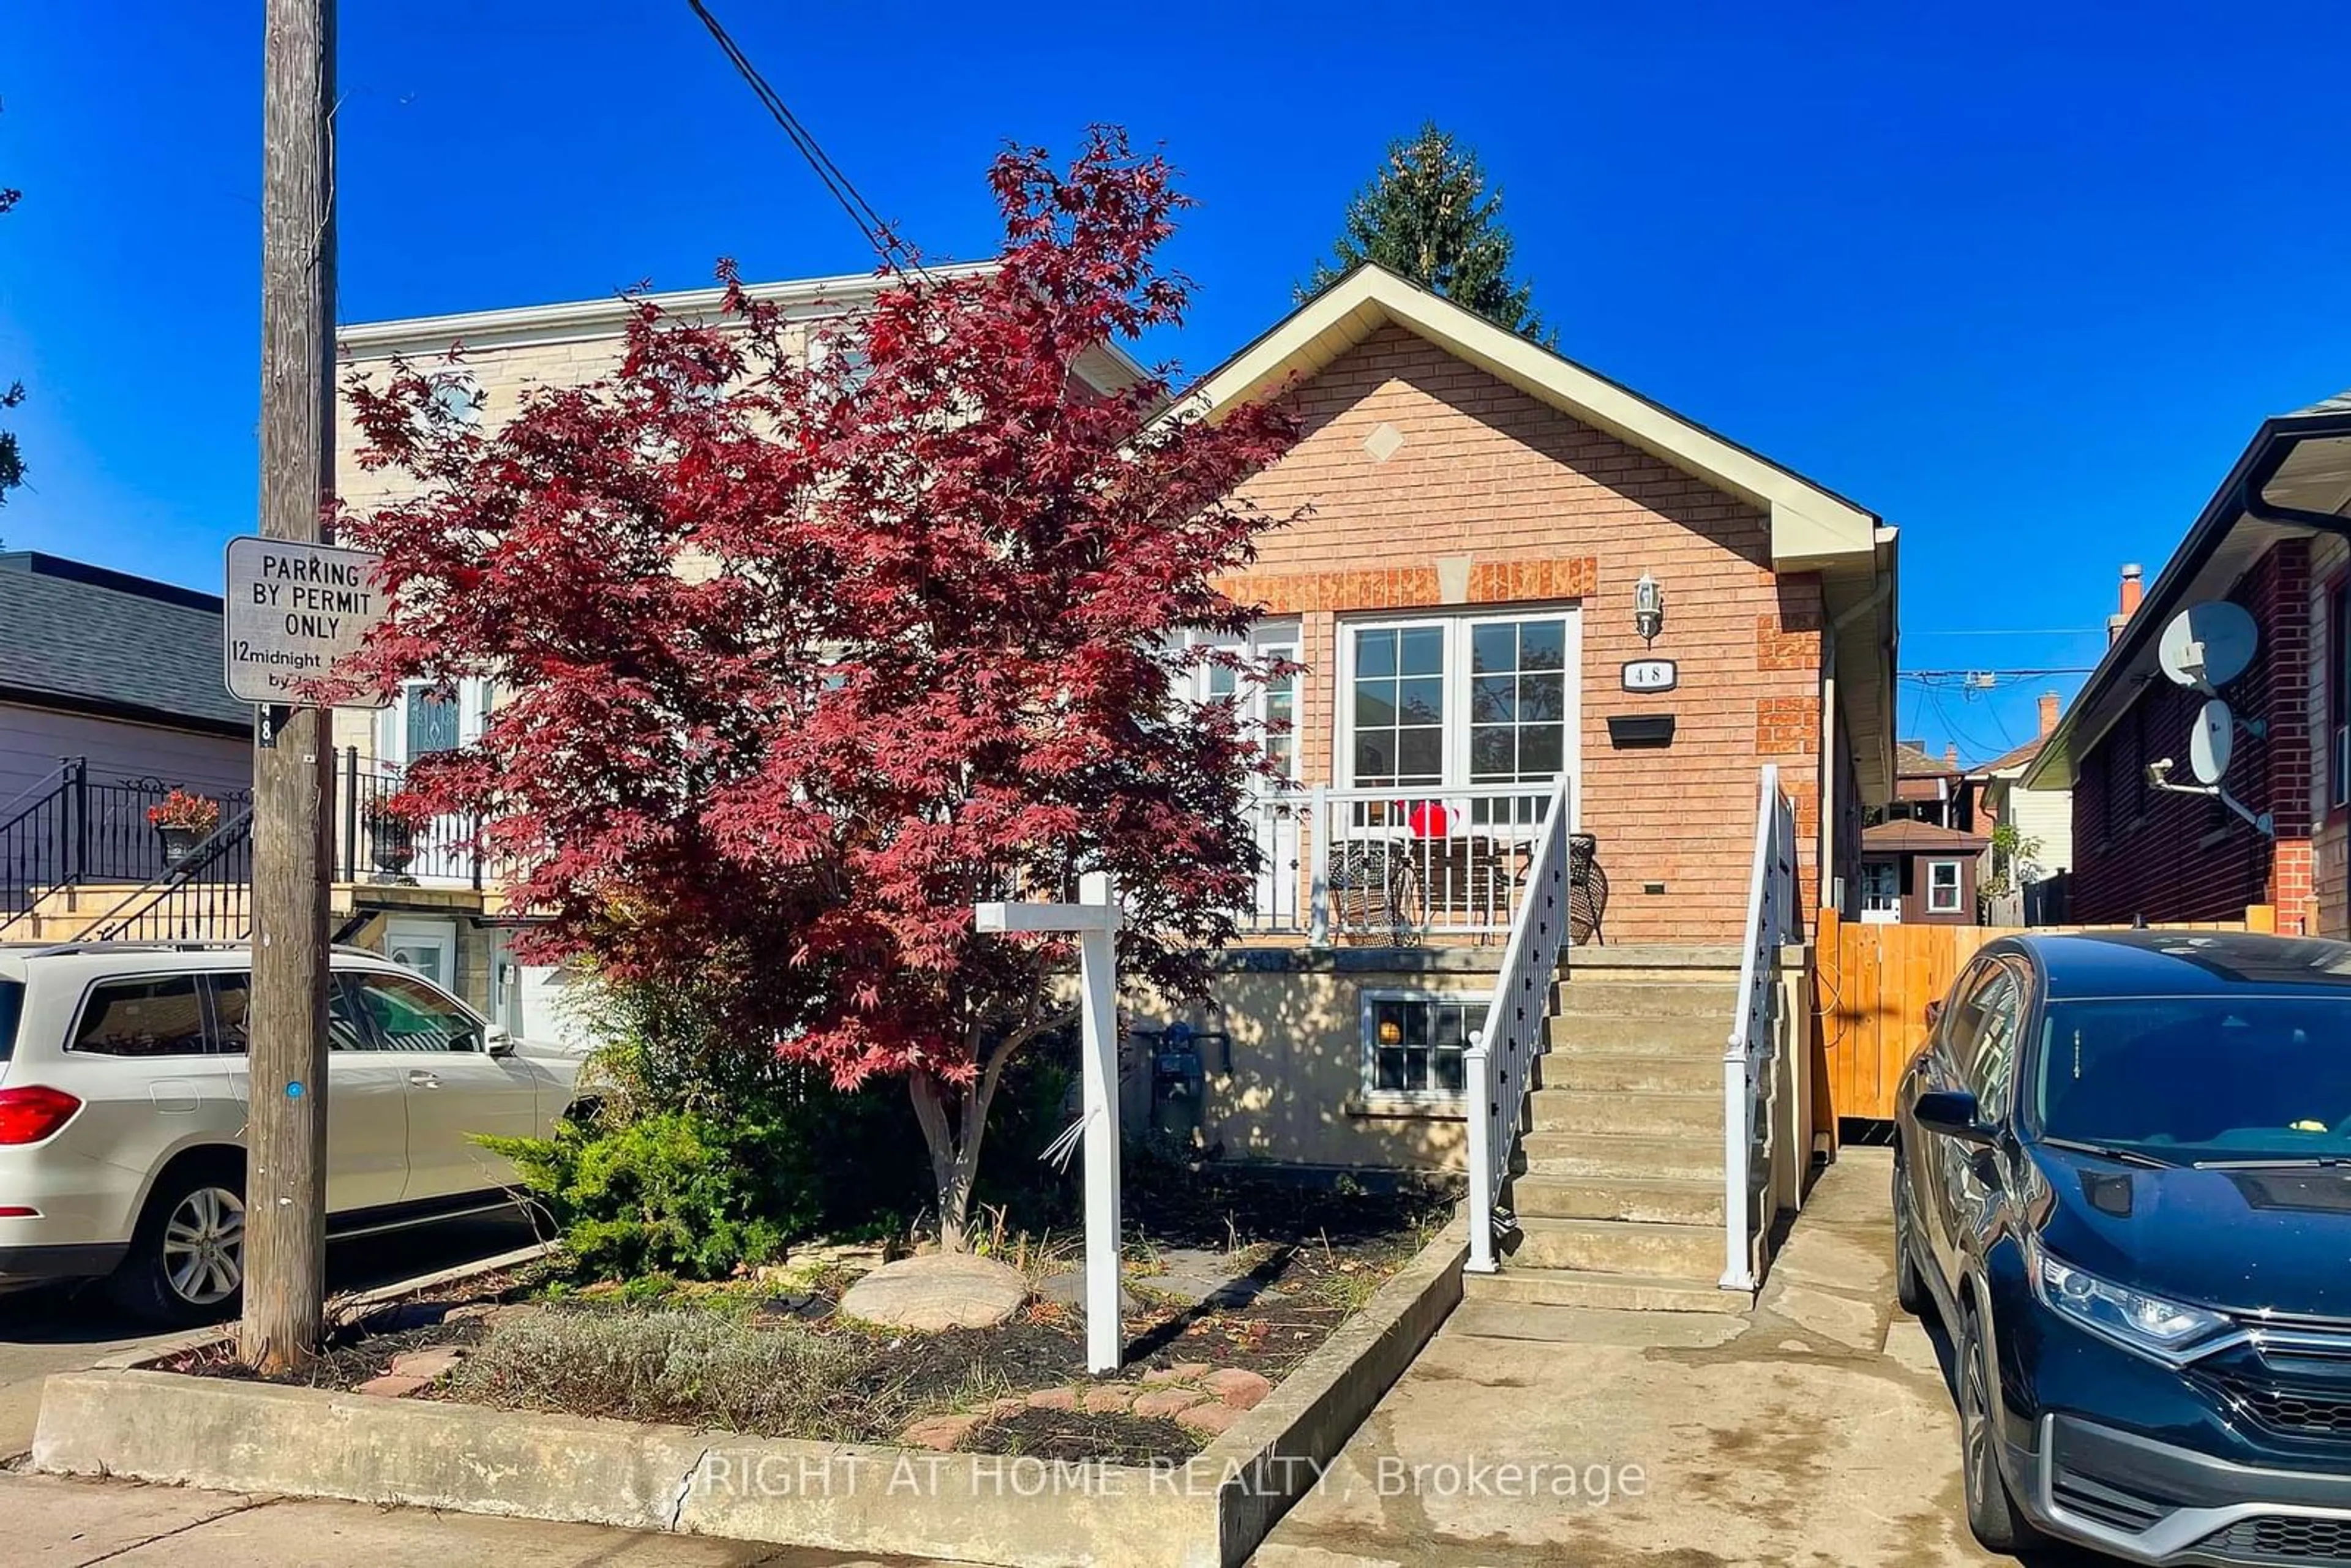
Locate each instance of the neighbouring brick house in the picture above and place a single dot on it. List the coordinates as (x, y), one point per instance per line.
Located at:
(2272, 539)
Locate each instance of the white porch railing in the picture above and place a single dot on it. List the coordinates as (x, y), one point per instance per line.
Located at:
(1403, 863)
(1747, 1061)
(1500, 1063)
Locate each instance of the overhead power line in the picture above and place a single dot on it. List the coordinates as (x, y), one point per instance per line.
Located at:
(870, 222)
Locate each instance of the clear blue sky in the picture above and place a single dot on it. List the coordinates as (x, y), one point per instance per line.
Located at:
(2022, 279)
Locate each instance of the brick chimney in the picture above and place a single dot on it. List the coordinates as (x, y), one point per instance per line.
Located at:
(1951, 756)
(2051, 704)
(2126, 602)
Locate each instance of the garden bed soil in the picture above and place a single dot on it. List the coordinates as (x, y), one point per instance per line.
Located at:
(1306, 1261)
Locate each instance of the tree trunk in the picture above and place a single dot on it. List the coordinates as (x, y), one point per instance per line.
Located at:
(954, 1143)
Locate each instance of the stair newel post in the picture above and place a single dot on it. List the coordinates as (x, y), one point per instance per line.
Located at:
(81, 808)
(1318, 824)
(350, 813)
(1480, 1069)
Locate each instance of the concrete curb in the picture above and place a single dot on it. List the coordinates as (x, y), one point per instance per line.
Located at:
(1210, 1513)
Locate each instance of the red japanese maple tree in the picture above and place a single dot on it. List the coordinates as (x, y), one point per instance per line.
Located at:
(803, 649)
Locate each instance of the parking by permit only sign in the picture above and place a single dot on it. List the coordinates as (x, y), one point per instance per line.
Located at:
(293, 610)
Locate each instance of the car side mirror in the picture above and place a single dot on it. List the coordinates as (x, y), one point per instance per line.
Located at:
(1934, 1012)
(498, 1041)
(1952, 1113)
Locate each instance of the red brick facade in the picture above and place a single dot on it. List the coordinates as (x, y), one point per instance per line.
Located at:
(1427, 474)
(2139, 851)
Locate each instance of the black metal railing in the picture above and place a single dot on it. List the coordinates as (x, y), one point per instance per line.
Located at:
(78, 828)
(206, 896)
(372, 844)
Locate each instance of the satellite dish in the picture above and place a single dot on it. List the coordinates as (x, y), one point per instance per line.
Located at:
(2210, 742)
(2209, 644)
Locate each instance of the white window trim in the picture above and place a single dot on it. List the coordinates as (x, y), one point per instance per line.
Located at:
(391, 720)
(1276, 635)
(425, 931)
(1458, 626)
(1368, 1100)
(1959, 888)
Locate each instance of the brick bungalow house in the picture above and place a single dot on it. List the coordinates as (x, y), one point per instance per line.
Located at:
(1461, 603)
(2273, 540)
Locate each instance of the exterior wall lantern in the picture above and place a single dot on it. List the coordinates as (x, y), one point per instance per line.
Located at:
(1648, 608)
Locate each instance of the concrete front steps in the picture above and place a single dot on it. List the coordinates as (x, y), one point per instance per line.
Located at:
(1618, 1182)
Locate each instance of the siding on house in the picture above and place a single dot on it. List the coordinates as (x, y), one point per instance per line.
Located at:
(2330, 838)
(32, 741)
(2175, 857)
(1489, 497)
(2046, 815)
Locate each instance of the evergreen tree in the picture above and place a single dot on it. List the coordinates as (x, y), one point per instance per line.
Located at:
(1429, 214)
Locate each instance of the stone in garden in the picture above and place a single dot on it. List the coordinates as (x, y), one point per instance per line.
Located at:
(1054, 1399)
(1068, 1288)
(1196, 1276)
(393, 1386)
(1011, 1404)
(943, 1291)
(1210, 1418)
(1241, 1389)
(940, 1432)
(1111, 1399)
(1182, 1372)
(1166, 1401)
(427, 1364)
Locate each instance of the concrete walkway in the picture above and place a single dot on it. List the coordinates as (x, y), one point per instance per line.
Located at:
(1817, 1431)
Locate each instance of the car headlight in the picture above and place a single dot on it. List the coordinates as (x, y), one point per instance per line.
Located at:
(2131, 1318)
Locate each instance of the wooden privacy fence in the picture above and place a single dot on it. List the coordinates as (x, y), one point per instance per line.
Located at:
(1871, 985)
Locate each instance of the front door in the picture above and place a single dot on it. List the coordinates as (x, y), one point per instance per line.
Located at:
(1270, 710)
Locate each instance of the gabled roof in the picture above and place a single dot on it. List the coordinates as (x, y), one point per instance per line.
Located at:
(1813, 529)
(1904, 837)
(1808, 520)
(2016, 758)
(1913, 761)
(83, 638)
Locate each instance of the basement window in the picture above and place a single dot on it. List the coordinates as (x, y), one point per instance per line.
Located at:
(1415, 1041)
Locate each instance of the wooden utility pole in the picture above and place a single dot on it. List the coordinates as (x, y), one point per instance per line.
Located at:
(286, 1140)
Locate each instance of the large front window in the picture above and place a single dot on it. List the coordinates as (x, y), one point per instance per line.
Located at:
(1459, 701)
(2200, 1079)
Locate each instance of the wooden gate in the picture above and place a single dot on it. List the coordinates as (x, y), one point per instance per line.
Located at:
(1871, 986)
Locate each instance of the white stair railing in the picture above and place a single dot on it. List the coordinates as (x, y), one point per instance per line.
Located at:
(1500, 1060)
(1772, 923)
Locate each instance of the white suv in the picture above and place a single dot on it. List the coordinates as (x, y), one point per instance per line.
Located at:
(123, 1090)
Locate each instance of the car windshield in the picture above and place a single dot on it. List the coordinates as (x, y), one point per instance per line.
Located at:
(2192, 1079)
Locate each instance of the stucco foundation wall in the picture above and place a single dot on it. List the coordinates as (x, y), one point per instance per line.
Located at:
(1487, 497)
(1294, 1091)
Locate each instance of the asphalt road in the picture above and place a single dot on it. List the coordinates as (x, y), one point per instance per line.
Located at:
(47, 1330)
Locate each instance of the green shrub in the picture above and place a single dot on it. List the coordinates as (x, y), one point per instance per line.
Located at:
(699, 1368)
(673, 1192)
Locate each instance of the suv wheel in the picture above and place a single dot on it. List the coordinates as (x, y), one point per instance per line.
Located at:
(1909, 1286)
(187, 1261)
(1992, 1513)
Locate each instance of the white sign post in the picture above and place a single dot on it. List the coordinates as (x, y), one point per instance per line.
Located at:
(293, 610)
(1094, 921)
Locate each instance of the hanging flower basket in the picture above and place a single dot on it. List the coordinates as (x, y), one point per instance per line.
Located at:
(183, 820)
